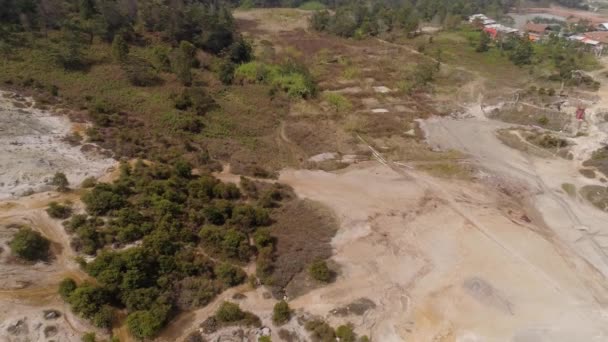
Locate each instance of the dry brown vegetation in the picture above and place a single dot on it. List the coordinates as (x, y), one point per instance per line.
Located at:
(304, 230)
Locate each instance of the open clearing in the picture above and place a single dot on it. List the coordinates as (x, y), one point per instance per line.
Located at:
(32, 149)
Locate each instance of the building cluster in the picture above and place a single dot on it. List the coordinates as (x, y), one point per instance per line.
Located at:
(594, 34)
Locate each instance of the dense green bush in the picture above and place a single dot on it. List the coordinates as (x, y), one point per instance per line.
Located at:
(88, 182)
(195, 99)
(318, 270)
(291, 77)
(320, 331)
(60, 181)
(66, 287)
(229, 313)
(281, 313)
(144, 324)
(103, 199)
(345, 333)
(29, 245)
(59, 211)
(229, 274)
(140, 72)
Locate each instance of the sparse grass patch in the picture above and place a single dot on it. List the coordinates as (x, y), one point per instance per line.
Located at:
(446, 169)
(312, 6)
(569, 189)
(338, 102)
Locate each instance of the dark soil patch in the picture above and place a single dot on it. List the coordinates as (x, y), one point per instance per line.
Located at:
(588, 173)
(597, 195)
(358, 308)
(304, 230)
(599, 160)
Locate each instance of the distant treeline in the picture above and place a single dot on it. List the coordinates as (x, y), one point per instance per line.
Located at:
(207, 24)
(357, 18)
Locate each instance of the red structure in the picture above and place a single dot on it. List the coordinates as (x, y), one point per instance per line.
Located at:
(492, 32)
(580, 113)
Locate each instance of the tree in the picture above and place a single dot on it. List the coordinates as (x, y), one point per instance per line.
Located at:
(484, 42)
(184, 61)
(70, 55)
(523, 52)
(229, 312)
(281, 313)
(60, 181)
(59, 211)
(102, 199)
(88, 299)
(144, 324)
(87, 8)
(229, 274)
(29, 245)
(89, 337)
(226, 72)
(104, 317)
(320, 20)
(240, 51)
(318, 270)
(66, 287)
(345, 333)
(120, 48)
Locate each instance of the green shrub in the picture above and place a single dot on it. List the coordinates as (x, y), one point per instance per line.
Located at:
(104, 317)
(60, 181)
(89, 337)
(320, 331)
(240, 51)
(345, 333)
(59, 211)
(141, 73)
(255, 72)
(543, 120)
(226, 72)
(229, 274)
(292, 78)
(229, 313)
(103, 199)
(318, 270)
(144, 324)
(88, 182)
(66, 287)
(29, 245)
(337, 101)
(281, 313)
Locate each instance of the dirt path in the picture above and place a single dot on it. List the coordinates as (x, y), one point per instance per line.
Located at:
(27, 290)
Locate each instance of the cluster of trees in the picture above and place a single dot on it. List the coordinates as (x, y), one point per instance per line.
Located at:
(208, 24)
(360, 19)
(29, 245)
(565, 56)
(357, 18)
(320, 331)
(171, 268)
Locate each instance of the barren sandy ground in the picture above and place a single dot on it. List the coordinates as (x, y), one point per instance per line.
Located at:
(32, 149)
